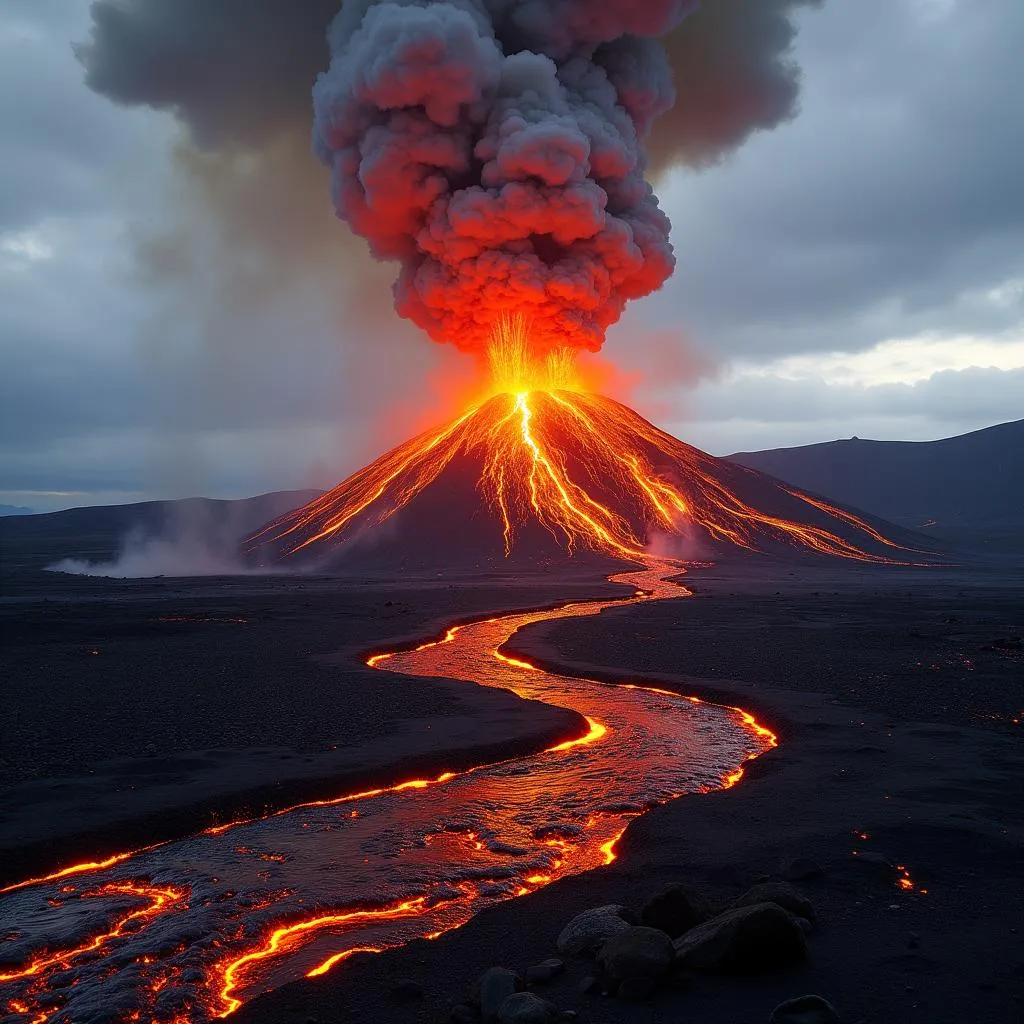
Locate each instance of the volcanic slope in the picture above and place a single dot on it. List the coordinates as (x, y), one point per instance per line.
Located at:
(537, 476)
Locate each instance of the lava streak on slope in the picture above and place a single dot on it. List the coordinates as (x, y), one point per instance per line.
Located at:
(548, 465)
(248, 906)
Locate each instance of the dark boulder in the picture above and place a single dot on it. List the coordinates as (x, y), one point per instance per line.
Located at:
(589, 930)
(640, 952)
(805, 1010)
(526, 1008)
(492, 989)
(782, 894)
(798, 869)
(745, 940)
(675, 911)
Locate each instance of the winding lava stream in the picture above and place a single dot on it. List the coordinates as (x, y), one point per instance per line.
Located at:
(188, 930)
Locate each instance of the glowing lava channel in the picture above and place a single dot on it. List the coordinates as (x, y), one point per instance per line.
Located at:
(248, 920)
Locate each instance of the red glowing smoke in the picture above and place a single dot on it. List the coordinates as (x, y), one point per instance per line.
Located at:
(495, 150)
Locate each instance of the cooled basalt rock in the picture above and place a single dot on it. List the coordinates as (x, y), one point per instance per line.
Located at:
(587, 931)
(492, 989)
(542, 973)
(638, 952)
(526, 1008)
(745, 940)
(799, 869)
(782, 894)
(675, 911)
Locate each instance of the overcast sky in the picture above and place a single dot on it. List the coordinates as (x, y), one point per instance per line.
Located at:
(857, 271)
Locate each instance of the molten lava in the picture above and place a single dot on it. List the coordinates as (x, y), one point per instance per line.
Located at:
(568, 469)
(187, 930)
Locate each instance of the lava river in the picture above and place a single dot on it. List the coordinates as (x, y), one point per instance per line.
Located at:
(188, 930)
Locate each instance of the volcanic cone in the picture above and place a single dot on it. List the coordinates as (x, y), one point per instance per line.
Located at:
(548, 475)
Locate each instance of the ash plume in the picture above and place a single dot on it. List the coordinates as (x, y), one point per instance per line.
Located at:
(494, 150)
(579, 83)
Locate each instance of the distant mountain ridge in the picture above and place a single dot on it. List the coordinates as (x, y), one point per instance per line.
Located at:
(972, 484)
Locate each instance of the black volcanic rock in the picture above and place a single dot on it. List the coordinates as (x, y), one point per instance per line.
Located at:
(675, 911)
(745, 940)
(782, 894)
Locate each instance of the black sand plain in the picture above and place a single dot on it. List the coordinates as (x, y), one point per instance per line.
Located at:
(142, 709)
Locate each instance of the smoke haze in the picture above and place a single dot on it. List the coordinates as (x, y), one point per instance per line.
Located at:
(191, 537)
(238, 75)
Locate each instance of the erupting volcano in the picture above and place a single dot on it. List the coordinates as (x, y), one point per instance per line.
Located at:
(542, 469)
(494, 151)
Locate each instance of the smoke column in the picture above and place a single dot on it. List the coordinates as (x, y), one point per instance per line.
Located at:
(238, 74)
(494, 149)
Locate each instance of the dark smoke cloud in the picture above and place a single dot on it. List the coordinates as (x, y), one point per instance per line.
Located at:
(733, 76)
(236, 72)
(504, 180)
(238, 75)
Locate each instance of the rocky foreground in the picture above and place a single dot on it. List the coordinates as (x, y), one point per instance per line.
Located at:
(632, 957)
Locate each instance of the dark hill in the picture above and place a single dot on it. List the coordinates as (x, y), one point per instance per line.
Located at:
(98, 533)
(969, 487)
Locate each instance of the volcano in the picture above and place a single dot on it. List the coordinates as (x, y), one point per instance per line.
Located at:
(541, 476)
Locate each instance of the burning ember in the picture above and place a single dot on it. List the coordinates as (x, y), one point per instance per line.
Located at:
(567, 470)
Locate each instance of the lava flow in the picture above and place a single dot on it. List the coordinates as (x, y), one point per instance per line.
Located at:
(189, 930)
(544, 465)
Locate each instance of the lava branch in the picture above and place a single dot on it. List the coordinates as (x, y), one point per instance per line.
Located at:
(161, 899)
(283, 939)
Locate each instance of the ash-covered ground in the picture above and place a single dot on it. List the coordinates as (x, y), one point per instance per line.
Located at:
(896, 693)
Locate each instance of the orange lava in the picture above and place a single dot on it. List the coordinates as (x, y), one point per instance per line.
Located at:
(75, 869)
(161, 899)
(592, 473)
(280, 939)
(906, 883)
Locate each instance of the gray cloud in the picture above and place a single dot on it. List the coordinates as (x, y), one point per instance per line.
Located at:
(56, 135)
(893, 197)
(751, 413)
